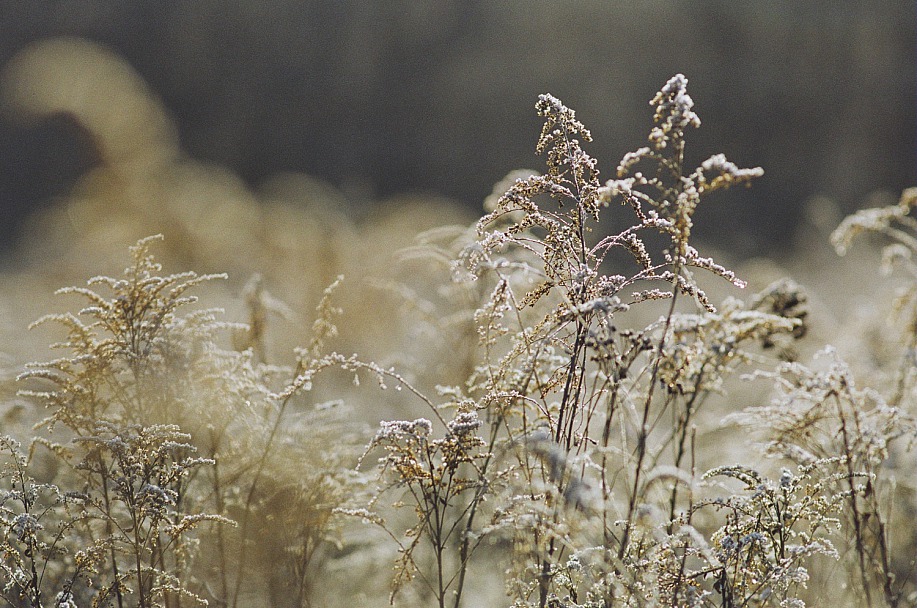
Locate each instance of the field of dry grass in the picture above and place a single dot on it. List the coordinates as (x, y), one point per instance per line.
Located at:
(566, 402)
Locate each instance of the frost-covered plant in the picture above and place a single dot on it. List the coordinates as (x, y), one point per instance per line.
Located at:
(824, 416)
(134, 478)
(897, 224)
(443, 478)
(164, 430)
(37, 550)
(588, 418)
(123, 348)
(599, 387)
(860, 432)
(259, 500)
(771, 528)
(121, 376)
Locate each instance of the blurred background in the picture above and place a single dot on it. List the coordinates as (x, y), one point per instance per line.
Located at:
(287, 142)
(378, 99)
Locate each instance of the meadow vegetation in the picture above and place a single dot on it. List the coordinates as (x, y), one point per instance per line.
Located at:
(548, 408)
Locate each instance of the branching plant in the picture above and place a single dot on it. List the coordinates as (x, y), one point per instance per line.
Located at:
(118, 380)
(585, 419)
(38, 521)
(140, 392)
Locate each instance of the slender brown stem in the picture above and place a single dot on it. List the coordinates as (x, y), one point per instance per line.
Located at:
(642, 436)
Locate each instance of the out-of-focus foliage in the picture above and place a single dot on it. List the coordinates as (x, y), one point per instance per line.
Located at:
(292, 226)
(383, 98)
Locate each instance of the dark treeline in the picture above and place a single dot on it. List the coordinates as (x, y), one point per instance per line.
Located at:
(381, 98)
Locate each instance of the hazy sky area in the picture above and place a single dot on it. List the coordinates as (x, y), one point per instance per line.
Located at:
(384, 98)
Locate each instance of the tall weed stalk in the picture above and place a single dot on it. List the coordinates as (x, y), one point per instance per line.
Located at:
(574, 442)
